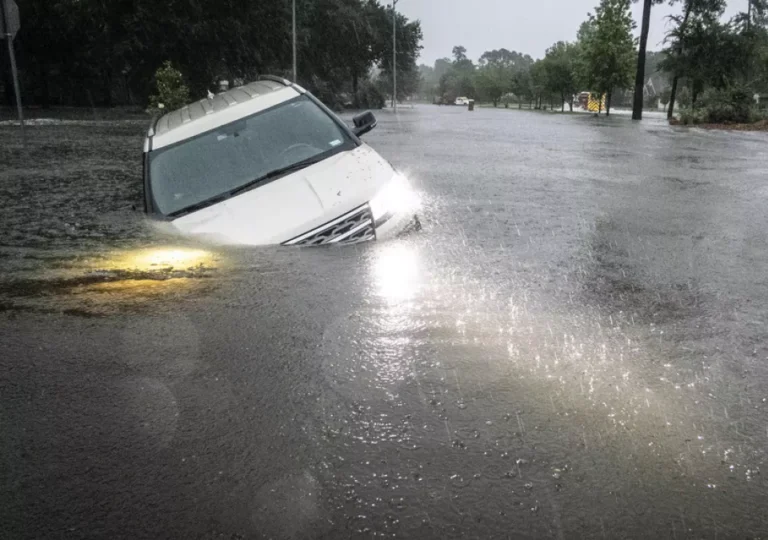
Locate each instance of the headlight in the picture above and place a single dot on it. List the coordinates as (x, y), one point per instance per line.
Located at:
(394, 198)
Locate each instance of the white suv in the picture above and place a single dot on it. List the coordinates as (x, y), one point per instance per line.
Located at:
(267, 163)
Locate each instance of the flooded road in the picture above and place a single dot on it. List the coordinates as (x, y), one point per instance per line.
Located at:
(575, 346)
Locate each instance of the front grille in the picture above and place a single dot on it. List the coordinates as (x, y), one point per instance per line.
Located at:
(352, 227)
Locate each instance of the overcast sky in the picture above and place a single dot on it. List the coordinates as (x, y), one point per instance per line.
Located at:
(527, 26)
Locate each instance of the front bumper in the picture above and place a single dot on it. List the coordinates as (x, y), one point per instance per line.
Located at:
(398, 224)
(350, 228)
(357, 226)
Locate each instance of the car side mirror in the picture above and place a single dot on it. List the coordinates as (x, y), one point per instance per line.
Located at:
(364, 123)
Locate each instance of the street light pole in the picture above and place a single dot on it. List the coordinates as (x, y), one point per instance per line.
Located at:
(9, 25)
(394, 55)
(294, 41)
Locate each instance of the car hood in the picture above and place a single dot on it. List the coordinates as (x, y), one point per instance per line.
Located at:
(292, 205)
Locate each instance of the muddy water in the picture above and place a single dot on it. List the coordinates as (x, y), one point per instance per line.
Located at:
(573, 347)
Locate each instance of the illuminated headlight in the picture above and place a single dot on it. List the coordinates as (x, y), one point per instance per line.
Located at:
(395, 198)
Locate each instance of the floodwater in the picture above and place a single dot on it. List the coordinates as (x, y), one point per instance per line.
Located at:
(575, 346)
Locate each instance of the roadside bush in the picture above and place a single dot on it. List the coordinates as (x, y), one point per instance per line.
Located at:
(729, 106)
(508, 98)
(172, 93)
(369, 96)
(689, 117)
(684, 97)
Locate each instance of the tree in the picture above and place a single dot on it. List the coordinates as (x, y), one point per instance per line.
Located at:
(409, 36)
(510, 60)
(496, 70)
(492, 82)
(430, 77)
(459, 79)
(522, 86)
(172, 93)
(538, 82)
(607, 48)
(459, 53)
(751, 26)
(559, 66)
(102, 52)
(448, 87)
(686, 44)
(756, 15)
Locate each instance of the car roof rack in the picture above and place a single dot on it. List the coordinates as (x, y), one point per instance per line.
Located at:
(275, 78)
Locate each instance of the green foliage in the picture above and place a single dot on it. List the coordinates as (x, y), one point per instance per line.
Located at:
(459, 53)
(689, 117)
(369, 96)
(522, 86)
(722, 106)
(607, 60)
(491, 84)
(728, 106)
(559, 70)
(496, 72)
(172, 93)
(538, 80)
(703, 52)
(664, 96)
(459, 79)
(84, 51)
(409, 37)
(684, 97)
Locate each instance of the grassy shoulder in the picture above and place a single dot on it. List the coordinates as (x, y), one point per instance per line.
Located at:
(515, 107)
(77, 113)
(761, 125)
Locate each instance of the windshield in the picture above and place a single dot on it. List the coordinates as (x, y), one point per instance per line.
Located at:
(236, 154)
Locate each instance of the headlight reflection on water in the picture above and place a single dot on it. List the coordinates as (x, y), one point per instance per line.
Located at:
(183, 258)
(397, 272)
(158, 259)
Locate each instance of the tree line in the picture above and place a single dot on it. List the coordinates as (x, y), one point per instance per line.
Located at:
(716, 66)
(106, 52)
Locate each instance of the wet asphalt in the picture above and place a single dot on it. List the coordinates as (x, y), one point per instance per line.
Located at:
(575, 346)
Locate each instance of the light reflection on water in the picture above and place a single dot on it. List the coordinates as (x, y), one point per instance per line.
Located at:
(484, 365)
(397, 272)
(160, 258)
(98, 283)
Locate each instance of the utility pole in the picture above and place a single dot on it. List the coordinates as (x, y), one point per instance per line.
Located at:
(637, 105)
(9, 26)
(294, 41)
(394, 55)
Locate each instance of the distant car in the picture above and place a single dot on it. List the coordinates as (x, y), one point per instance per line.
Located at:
(461, 101)
(267, 163)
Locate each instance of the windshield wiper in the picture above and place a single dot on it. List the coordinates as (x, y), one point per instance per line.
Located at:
(277, 173)
(199, 206)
